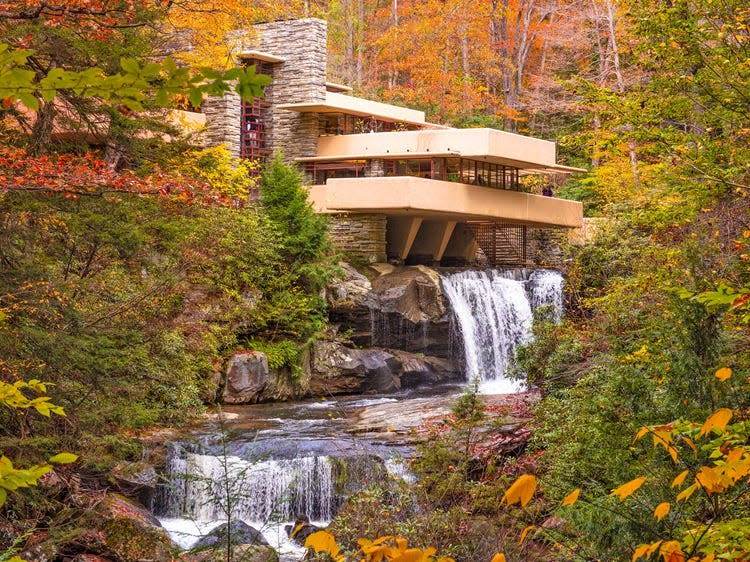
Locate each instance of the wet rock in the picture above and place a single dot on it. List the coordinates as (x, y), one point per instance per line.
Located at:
(419, 370)
(413, 293)
(337, 369)
(244, 552)
(382, 370)
(405, 309)
(111, 527)
(239, 533)
(300, 530)
(247, 377)
(136, 480)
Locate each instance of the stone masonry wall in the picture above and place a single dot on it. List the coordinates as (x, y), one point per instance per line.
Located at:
(301, 78)
(376, 169)
(223, 121)
(362, 236)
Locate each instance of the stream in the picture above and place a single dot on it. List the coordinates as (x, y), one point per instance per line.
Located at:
(267, 463)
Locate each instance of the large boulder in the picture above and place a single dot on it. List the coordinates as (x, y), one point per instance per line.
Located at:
(247, 376)
(349, 290)
(111, 527)
(136, 480)
(405, 309)
(419, 370)
(337, 369)
(239, 533)
(347, 304)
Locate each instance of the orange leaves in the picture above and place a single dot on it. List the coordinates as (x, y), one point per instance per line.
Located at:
(629, 488)
(382, 549)
(723, 374)
(717, 421)
(671, 551)
(572, 497)
(645, 550)
(499, 557)
(680, 478)
(322, 541)
(525, 533)
(687, 492)
(80, 175)
(521, 491)
(661, 511)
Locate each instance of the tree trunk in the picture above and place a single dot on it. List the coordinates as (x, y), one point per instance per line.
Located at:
(611, 26)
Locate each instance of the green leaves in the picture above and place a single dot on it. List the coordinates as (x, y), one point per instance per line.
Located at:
(12, 478)
(63, 458)
(132, 86)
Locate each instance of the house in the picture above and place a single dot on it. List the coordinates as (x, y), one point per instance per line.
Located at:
(397, 187)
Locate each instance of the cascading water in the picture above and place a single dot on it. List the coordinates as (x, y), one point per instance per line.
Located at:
(264, 493)
(494, 313)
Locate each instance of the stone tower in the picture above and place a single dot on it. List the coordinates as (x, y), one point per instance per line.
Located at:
(297, 65)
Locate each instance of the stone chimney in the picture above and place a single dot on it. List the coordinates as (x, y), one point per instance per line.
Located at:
(300, 78)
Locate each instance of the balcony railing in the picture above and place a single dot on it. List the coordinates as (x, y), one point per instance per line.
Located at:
(459, 170)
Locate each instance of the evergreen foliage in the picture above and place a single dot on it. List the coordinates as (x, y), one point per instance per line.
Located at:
(304, 233)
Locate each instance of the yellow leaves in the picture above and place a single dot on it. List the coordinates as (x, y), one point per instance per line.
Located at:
(680, 478)
(321, 541)
(671, 551)
(687, 492)
(661, 511)
(499, 557)
(710, 479)
(629, 488)
(717, 421)
(572, 497)
(384, 549)
(645, 550)
(723, 374)
(522, 490)
(525, 532)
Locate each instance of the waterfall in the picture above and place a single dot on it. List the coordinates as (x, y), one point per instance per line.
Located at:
(494, 313)
(259, 492)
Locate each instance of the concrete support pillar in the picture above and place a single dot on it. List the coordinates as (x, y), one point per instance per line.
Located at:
(433, 240)
(444, 239)
(462, 245)
(401, 235)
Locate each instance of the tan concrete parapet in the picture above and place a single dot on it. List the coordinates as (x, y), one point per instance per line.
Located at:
(340, 103)
(479, 144)
(426, 198)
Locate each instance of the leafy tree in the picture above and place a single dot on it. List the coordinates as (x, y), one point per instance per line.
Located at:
(304, 233)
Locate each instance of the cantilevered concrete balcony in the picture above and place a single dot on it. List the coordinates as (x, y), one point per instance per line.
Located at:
(485, 145)
(436, 199)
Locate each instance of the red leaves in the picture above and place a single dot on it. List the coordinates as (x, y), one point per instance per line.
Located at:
(75, 175)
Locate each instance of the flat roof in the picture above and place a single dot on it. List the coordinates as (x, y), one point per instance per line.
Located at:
(386, 156)
(260, 55)
(351, 105)
(334, 87)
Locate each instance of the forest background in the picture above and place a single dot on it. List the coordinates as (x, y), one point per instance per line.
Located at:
(121, 284)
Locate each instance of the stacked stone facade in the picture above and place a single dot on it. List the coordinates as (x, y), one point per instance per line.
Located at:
(301, 78)
(223, 121)
(362, 236)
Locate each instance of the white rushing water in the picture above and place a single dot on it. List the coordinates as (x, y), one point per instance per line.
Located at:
(494, 312)
(265, 494)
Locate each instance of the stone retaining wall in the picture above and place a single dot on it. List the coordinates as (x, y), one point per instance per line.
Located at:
(362, 235)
